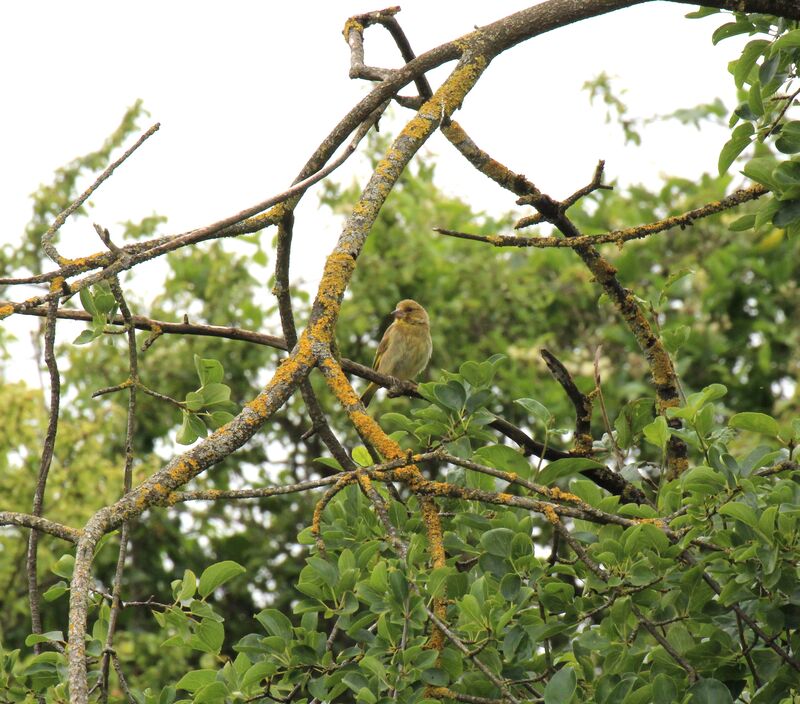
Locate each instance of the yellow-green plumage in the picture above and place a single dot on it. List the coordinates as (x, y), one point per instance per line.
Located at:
(406, 346)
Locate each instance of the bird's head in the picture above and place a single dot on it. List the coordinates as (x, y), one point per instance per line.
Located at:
(410, 312)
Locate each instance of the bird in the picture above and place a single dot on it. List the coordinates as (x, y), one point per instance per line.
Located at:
(405, 347)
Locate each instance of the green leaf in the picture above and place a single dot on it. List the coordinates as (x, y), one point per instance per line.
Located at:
(787, 176)
(710, 691)
(635, 415)
(712, 392)
(208, 637)
(87, 301)
(703, 480)
(504, 458)
(675, 338)
(750, 55)
(665, 691)
(104, 301)
(329, 462)
(766, 211)
(64, 566)
(437, 581)
(86, 336)
(49, 637)
(739, 141)
(766, 522)
(219, 418)
(361, 456)
(209, 371)
(275, 623)
(470, 607)
(702, 12)
(374, 666)
(761, 169)
(754, 100)
(741, 512)
(194, 680)
(497, 541)
(191, 429)
(326, 571)
(788, 140)
(215, 393)
(657, 433)
(536, 409)
(451, 395)
(671, 280)
(217, 574)
(167, 695)
(755, 422)
(561, 687)
(194, 401)
(185, 435)
(788, 212)
(214, 693)
(435, 677)
(188, 586)
(768, 70)
(790, 40)
(56, 591)
(743, 223)
(473, 373)
(565, 467)
(366, 695)
(510, 586)
(730, 29)
(258, 672)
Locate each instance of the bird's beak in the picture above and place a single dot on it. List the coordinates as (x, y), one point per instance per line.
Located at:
(396, 313)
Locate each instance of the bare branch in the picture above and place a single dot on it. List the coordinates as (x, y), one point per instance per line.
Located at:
(618, 237)
(43, 525)
(47, 238)
(48, 447)
(581, 402)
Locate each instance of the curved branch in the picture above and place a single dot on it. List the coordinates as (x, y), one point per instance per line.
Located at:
(43, 525)
(618, 237)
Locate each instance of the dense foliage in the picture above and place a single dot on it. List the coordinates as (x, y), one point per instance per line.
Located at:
(552, 588)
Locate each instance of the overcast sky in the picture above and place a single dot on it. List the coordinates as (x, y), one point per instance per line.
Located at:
(245, 91)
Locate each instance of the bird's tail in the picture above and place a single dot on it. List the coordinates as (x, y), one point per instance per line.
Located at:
(366, 397)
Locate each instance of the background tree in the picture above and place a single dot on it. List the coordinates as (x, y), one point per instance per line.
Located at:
(484, 551)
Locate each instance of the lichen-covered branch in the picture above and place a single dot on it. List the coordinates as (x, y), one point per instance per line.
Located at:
(661, 368)
(618, 237)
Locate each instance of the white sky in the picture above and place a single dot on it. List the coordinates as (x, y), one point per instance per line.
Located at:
(245, 91)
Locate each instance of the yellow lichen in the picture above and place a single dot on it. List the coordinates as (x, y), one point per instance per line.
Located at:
(657, 522)
(550, 514)
(5, 311)
(560, 495)
(352, 24)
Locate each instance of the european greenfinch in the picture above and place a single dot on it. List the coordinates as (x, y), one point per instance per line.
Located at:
(406, 345)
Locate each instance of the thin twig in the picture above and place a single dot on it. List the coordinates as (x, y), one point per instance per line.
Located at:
(618, 456)
(48, 447)
(130, 428)
(122, 681)
(618, 237)
(47, 238)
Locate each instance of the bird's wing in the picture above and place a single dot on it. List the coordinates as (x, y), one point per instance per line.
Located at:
(382, 345)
